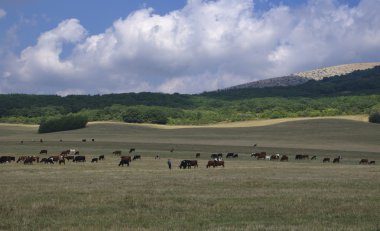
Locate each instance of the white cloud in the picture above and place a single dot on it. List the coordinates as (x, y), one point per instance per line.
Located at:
(3, 13)
(204, 46)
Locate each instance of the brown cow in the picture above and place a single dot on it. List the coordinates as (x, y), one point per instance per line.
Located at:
(117, 152)
(259, 155)
(215, 163)
(126, 158)
(284, 158)
(372, 162)
(363, 161)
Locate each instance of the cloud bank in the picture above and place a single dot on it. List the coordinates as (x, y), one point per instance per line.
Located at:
(204, 46)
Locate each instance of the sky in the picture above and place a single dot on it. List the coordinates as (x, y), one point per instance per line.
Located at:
(99, 47)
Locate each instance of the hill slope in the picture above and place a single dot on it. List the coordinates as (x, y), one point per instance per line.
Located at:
(303, 77)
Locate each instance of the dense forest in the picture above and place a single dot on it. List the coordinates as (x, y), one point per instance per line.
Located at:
(355, 93)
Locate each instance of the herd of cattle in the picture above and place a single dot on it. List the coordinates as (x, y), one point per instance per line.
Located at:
(216, 159)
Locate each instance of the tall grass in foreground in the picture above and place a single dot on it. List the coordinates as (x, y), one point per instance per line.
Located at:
(245, 195)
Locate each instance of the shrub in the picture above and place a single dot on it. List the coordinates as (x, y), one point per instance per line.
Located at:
(63, 123)
(374, 117)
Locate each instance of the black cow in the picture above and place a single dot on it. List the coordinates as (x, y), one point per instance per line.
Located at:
(84, 140)
(336, 160)
(117, 152)
(7, 159)
(124, 161)
(79, 159)
(197, 155)
(43, 151)
(230, 154)
(372, 162)
(301, 157)
(214, 156)
(184, 164)
(94, 160)
(136, 157)
(101, 157)
(235, 155)
(47, 160)
(132, 150)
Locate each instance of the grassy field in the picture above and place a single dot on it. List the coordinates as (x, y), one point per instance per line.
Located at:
(245, 195)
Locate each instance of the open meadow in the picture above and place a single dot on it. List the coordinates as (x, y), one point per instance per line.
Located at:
(247, 194)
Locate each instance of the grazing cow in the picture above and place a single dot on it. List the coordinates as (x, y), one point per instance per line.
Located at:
(56, 158)
(157, 157)
(215, 163)
(193, 163)
(230, 154)
(126, 158)
(259, 155)
(275, 157)
(336, 160)
(21, 158)
(197, 155)
(301, 157)
(117, 152)
(101, 157)
(184, 164)
(327, 159)
(28, 160)
(363, 161)
(284, 158)
(65, 152)
(132, 150)
(7, 159)
(372, 162)
(94, 160)
(188, 163)
(84, 140)
(124, 161)
(79, 159)
(49, 161)
(214, 156)
(43, 151)
(137, 157)
(235, 155)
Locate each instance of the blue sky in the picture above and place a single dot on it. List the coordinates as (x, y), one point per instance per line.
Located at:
(92, 47)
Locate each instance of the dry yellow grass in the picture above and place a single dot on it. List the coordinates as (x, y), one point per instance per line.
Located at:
(242, 124)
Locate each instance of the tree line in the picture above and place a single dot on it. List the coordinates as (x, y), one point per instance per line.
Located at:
(355, 93)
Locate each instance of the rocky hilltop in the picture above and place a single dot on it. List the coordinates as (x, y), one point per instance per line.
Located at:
(302, 77)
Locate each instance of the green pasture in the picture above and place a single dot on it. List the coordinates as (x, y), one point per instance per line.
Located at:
(245, 195)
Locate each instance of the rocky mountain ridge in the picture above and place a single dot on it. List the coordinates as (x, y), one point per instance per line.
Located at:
(302, 77)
